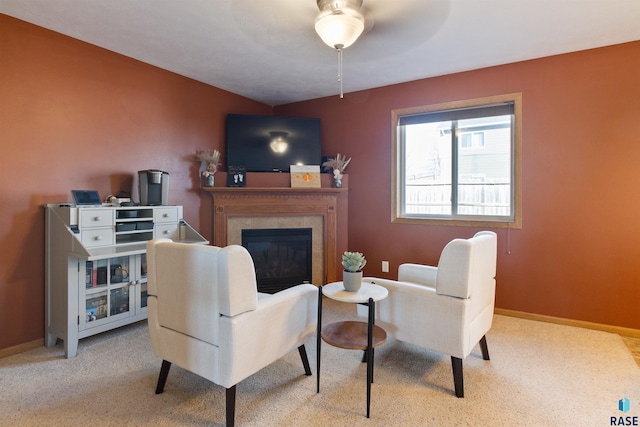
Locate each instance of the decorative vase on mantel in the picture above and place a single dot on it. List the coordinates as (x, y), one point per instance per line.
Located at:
(209, 162)
(337, 179)
(352, 280)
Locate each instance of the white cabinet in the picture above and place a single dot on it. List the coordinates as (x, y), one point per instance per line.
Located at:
(96, 266)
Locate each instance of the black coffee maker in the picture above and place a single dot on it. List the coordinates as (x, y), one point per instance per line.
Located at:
(154, 187)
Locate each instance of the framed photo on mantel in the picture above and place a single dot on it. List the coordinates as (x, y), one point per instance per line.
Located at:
(305, 176)
(236, 176)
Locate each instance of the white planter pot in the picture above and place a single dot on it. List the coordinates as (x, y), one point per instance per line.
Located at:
(352, 280)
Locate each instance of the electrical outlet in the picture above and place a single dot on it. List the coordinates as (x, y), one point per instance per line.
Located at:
(385, 266)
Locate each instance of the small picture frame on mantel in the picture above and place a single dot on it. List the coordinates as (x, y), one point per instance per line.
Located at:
(305, 176)
(236, 176)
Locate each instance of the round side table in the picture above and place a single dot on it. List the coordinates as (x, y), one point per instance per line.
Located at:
(352, 335)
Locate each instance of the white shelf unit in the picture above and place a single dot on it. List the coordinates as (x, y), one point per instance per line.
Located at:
(96, 266)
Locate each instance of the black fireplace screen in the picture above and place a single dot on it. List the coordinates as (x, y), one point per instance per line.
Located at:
(282, 256)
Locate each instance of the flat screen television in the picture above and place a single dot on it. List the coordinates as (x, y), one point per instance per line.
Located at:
(272, 143)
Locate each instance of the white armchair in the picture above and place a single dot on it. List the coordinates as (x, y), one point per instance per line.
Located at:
(206, 316)
(448, 308)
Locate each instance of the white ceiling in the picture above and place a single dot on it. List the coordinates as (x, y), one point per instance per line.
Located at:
(267, 50)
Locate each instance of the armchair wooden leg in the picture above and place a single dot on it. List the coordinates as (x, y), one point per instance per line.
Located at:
(456, 364)
(305, 360)
(484, 348)
(162, 379)
(231, 406)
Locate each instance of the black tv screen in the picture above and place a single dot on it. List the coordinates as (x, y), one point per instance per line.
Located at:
(272, 143)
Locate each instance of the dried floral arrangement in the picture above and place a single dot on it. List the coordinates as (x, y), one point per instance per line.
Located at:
(338, 164)
(210, 159)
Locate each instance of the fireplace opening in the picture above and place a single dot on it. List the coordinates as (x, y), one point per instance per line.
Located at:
(282, 256)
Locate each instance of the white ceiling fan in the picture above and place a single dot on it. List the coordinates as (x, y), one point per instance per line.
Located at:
(339, 24)
(394, 19)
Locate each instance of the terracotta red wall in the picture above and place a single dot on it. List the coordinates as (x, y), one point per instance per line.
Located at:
(577, 255)
(74, 116)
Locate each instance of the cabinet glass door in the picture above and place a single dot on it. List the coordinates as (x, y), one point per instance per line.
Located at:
(106, 295)
(96, 273)
(119, 286)
(143, 281)
(96, 306)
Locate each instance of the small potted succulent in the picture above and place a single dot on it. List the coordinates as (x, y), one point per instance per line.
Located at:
(353, 263)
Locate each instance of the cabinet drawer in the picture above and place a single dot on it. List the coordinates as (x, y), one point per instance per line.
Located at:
(169, 231)
(97, 237)
(96, 218)
(165, 214)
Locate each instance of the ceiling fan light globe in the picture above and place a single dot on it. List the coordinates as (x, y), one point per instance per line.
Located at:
(339, 28)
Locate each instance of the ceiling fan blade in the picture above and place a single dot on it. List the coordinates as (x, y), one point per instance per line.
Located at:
(400, 25)
(369, 20)
(391, 10)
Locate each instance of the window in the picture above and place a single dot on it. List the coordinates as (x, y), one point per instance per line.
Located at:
(471, 139)
(458, 163)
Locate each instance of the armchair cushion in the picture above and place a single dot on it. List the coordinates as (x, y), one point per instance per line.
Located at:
(277, 326)
(181, 271)
(243, 295)
(416, 314)
(418, 274)
(466, 265)
(454, 270)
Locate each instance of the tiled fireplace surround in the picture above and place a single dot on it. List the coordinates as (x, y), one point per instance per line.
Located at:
(235, 209)
(235, 225)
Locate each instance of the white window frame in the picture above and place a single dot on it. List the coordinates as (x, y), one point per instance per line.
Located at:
(397, 195)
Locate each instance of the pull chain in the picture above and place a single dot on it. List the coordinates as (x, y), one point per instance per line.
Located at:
(340, 71)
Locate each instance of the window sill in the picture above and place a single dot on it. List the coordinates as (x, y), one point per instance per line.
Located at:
(517, 225)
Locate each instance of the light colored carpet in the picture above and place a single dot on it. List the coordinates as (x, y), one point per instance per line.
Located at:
(540, 374)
